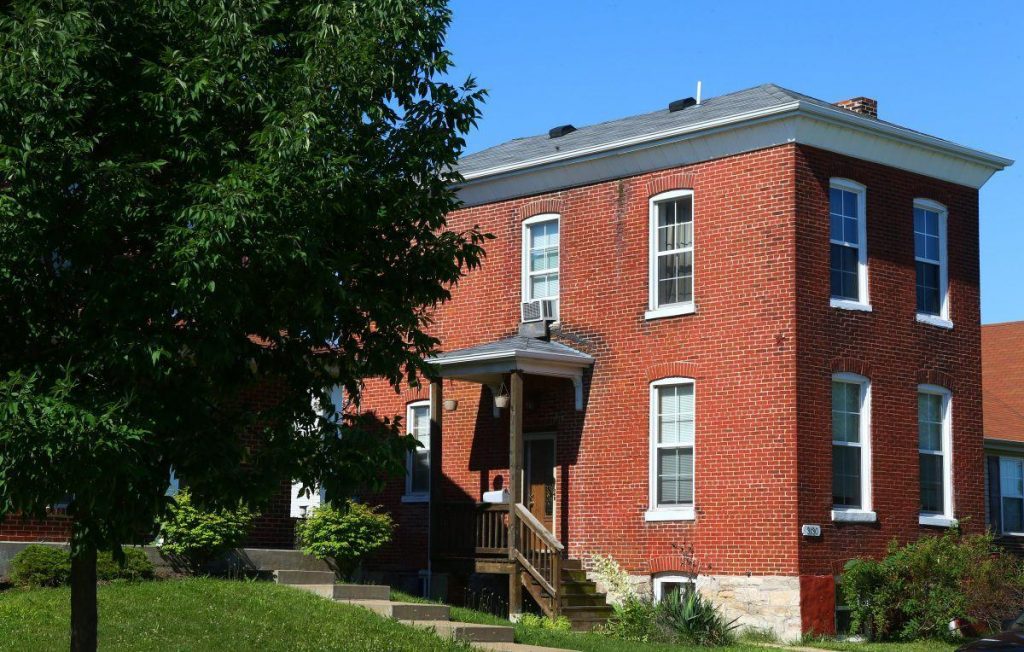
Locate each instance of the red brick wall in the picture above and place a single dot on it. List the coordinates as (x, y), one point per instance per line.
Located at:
(889, 347)
(739, 346)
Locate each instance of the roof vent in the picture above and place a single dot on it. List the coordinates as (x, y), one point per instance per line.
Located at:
(558, 132)
(679, 105)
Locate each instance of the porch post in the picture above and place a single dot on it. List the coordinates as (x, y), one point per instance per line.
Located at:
(515, 481)
(433, 527)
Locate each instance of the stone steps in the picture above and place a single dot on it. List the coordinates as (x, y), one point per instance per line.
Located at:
(377, 598)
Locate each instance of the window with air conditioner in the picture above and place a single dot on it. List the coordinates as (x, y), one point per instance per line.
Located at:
(540, 268)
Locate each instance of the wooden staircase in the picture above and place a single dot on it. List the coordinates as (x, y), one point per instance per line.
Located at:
(558, 585)
(579, 599)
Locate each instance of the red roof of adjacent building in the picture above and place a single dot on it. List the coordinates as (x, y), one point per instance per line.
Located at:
(1002, 377)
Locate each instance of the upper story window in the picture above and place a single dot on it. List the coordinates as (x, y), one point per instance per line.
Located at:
(1011, 491)
(417, 477)
(540, 258)
(848, 269)
(671, 254)
(671, 464)
(930, 261)
(934, 445)
(851, 448)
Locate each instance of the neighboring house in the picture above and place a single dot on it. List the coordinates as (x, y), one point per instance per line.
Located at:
(1002, 365)
(738, 336)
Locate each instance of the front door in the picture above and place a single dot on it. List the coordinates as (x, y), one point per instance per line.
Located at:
(540, 478)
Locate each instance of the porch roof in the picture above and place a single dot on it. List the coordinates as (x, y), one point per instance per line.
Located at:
(488, 363)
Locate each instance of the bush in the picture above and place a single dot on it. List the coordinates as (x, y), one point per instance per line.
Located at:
(39, 565)
(560, 624)
(916, 590)
(635, 619)
(344, 535)
(693, 619)
(197, 536)
(136, 566)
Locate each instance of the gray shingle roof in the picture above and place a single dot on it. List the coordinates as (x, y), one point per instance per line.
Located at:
(515, 346)
(522, 150)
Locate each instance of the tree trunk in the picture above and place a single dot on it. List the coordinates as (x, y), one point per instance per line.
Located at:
(83, 598)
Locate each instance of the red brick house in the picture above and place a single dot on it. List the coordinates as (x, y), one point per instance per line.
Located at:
(1002, 367)
(746, 328)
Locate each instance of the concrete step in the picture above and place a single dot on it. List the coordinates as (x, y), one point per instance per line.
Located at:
(470, 632)
(303, 577)
(266, 559)
(404, 610)
(361, 592)
(515, 647)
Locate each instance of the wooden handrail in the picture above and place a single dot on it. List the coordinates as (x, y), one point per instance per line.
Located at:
(538, 527)
(539, 553)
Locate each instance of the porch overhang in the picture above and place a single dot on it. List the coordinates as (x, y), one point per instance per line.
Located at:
(489, 363)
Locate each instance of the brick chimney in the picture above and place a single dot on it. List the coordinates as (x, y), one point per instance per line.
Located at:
(862, 105)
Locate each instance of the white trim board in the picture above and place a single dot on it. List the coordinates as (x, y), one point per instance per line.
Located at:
(797, 122)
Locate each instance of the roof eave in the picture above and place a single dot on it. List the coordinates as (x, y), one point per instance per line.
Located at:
(828, 114)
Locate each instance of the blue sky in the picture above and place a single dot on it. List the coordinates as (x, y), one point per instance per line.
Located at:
(954, 70)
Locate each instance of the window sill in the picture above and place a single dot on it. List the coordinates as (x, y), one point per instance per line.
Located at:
(934, 320)
(936, 520)
(853, 516)
(683, 514)
(671, 311)
(848, 304)
(416, 498)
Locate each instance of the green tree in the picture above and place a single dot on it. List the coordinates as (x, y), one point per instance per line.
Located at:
(200, 201)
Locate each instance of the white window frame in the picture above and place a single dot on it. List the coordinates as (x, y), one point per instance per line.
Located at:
(654, 310)
(941, 320)
(661, 579)
(1002, 510)
(656, 512)
(945, 518)
(862, 303)
(418, 496)
(864, 513)
(526, 273)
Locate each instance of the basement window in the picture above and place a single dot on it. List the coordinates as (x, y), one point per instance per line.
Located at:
(665, 584)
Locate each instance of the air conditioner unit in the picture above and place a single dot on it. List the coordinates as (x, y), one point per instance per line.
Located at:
(540, 310)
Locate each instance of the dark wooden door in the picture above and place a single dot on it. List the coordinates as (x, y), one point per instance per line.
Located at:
(540, 480)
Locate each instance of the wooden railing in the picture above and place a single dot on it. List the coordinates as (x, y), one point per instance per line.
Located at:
(473, 530)
(540, 554)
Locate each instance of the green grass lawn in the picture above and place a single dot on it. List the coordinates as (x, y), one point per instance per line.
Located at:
(582, 641)
(915, 646)
(203, 615)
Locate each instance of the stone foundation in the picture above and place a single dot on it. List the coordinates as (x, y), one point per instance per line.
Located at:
(765, 603)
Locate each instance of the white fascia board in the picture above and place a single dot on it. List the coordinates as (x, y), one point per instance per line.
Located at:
(795, 122)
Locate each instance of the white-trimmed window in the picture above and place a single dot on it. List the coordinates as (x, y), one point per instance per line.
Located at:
(1011, 495)
(851, 448)
(540, 257)
(848, 267)
(417, 476)
(671, 254)
(666, 584)
(672, 443)
(930, 262)
(935, 448)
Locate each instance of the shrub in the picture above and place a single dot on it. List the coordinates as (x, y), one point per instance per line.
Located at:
(560, 624)
(635, 619)
(39, 565)
(136, 566)
(615, 580)
(197, 536)
(693, 619)
(344, 535)
(917, 589)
